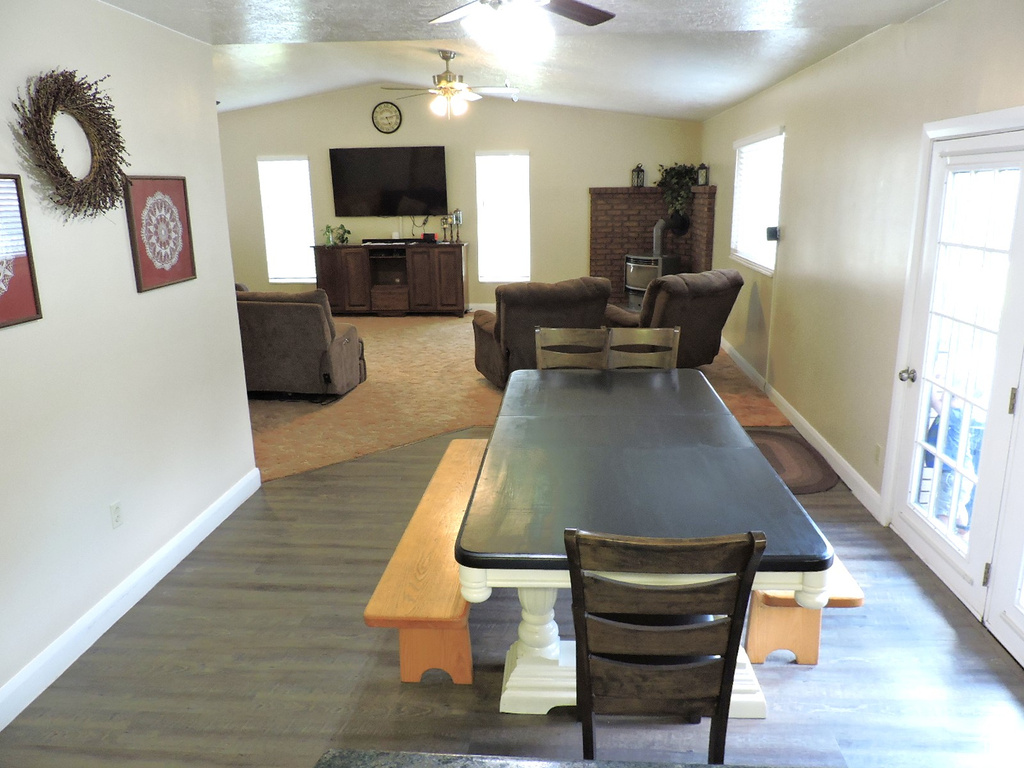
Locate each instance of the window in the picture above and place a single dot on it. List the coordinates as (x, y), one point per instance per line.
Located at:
(12, 235)
(503, 217)
(755, 205)
(287, 219)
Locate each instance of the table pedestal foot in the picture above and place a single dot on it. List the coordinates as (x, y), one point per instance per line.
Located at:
(533, 684)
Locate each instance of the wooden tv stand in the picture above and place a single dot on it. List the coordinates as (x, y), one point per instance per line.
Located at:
(393, 278)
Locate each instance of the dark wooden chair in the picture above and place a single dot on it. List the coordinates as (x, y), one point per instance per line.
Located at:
(653, 645)
(571, 347)
(643, 347)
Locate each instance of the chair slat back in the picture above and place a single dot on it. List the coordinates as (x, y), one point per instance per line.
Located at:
(610, 596)
(658, 625)
(571, 347)
(643, 348)
(607, 636)
(628, 688)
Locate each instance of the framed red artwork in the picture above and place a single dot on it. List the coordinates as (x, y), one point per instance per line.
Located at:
(19, 297)
(160, 231)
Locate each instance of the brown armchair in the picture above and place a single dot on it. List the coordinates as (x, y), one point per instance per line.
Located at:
(291, 344)
(699, 303)
(504, 339)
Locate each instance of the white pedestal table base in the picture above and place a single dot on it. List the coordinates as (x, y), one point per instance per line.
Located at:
(534, 685)
(540, 669)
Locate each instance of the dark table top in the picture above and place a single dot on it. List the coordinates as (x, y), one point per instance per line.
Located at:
(642, 453)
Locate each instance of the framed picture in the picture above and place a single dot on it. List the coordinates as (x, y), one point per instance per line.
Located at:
(161, 234)
(19, 297)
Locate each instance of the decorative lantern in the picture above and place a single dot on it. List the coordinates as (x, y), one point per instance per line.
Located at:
(702, 175)
(638, 175)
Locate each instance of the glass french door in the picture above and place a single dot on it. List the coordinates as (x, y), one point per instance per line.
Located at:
(1004, 611)
(966, 341)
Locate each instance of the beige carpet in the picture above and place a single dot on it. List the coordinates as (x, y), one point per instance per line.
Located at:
(420, 382)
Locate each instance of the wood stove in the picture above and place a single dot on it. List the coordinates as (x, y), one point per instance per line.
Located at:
(641, 269)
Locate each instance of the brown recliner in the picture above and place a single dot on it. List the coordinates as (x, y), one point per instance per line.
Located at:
(505, 338)
(291, 344)
(699, 303)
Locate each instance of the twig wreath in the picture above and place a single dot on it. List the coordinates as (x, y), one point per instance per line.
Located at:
(64, 91)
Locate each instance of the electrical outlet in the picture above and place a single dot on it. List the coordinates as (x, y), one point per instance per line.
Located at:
(116, 517)
(878, 453)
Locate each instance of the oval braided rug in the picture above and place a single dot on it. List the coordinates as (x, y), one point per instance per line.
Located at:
(801, 468)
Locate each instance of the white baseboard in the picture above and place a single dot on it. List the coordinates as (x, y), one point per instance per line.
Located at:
(21, 690)
(861, 489)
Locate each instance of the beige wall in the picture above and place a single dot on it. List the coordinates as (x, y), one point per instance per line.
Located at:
(824, 330)
(113, 395)
(570, 150)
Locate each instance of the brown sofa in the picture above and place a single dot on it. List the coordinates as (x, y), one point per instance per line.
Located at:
(699, 303)
(504, 338)
(290, 345)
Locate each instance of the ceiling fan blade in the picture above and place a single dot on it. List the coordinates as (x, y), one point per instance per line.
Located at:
(468, 95)
(395, 88)
(459, 13)
(577, 11)
(497, 90)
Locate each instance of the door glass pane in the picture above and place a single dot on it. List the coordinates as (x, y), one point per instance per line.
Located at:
(972, 258)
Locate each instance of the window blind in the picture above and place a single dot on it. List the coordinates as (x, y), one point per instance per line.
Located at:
(12, 236)
(757, 190)
(286, 200)
(503, 217)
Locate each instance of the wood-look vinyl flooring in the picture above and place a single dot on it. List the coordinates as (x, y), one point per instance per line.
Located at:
(253, 652)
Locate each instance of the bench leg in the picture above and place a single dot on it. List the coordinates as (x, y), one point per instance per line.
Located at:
(772, 628)
(445, 649)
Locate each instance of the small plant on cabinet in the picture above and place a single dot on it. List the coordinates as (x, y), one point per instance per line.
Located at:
(336, 235)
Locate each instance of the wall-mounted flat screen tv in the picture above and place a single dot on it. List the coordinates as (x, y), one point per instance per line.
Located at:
(389, 181)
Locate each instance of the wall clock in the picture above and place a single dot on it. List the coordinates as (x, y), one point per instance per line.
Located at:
(387, 117)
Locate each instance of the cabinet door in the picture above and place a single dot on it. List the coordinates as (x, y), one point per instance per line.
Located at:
(451, 290)
(356, 274)
(422, 267)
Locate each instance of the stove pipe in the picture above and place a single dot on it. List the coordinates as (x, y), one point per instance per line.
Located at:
(658, 228)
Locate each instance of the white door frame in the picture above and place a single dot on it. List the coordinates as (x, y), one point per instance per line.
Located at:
(1001, 121)
(904, 397)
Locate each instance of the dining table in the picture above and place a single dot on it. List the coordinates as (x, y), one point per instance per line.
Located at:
(652, 453)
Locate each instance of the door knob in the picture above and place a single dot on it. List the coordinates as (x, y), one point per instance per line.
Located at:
(908, 374)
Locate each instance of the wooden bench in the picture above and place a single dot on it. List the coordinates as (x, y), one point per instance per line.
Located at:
(419, 592)
(777, 622)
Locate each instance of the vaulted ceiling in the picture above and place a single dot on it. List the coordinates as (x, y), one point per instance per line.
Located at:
(685, 59)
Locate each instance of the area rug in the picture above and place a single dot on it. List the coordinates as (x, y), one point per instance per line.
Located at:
(801, 468)
(421, 382)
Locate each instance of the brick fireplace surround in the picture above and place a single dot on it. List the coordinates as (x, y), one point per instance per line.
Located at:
(622, 221)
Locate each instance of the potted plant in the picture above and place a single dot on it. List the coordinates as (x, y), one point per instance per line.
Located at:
(677, 181)
(336, 235)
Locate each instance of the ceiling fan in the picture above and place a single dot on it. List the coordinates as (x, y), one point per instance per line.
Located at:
(452, 96)
(569, 9)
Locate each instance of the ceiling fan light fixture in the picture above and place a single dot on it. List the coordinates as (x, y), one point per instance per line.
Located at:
(439, 105)
(521, 34)
(458, 105)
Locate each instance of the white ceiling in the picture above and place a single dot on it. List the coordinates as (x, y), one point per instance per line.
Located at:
(685, 59)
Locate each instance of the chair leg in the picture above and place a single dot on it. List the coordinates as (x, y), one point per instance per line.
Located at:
(587, 721)
(716, 741)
